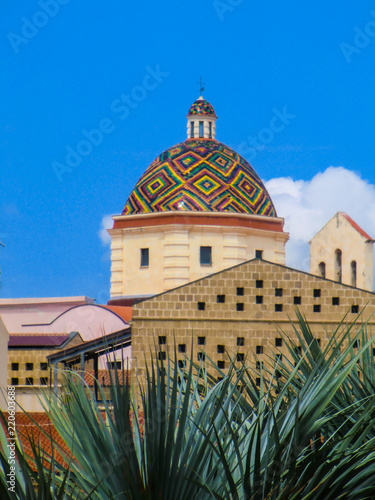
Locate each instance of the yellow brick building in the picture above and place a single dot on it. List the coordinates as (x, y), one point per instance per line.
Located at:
(235, 312)
(28, 368)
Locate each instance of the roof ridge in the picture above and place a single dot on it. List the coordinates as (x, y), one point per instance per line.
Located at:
(356, 226)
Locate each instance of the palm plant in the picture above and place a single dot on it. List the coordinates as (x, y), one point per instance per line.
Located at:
(307, 432)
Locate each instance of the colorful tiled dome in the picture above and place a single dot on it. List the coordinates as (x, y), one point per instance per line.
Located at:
(201, 107)
(200, 175)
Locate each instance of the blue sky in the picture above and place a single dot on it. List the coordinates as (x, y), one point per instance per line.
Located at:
(67, 64)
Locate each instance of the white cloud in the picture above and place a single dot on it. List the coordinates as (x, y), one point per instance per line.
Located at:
(107, 223)
(308, 205)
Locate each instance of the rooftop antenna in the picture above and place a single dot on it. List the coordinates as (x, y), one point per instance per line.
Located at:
(201, 87)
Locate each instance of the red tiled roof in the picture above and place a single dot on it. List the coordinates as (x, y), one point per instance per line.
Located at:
(30, 429)
(123, 311)
(36, 340)
(356, 227)
(104, 377)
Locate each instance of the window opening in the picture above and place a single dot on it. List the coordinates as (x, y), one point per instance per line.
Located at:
(206, 256)
(145, 258)
(338, 269)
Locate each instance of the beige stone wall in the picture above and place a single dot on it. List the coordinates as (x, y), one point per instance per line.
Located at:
(35, 356)
(174, 251)
(340, 234)
(22, 356)
(175, 315)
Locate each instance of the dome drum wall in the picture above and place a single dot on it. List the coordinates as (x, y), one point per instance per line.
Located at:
(174, 241)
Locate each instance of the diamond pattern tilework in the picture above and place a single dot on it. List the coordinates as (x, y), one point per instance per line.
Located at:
(201, 175)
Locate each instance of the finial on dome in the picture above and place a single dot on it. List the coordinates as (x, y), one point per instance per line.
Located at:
(201, 120)
(201, 88)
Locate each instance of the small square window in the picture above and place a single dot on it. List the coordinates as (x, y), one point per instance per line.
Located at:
(29, 367)
(201, 356)
(240, 356)
(297, 301)
(278, 307)
(145, 257)
(316, 308)
(278, 342)
(259, 254)
(221, 364)
(279, 357)
(220, 299)
(278, 374)
(259, 349)
(278, 292)
(219, 379)
(44, 380)
(221, 349)
(114, 365)
(29, 381)
(44, 366)
(298, 349)
(335, 301)
(317, 292)
(356, 344)
(240, 341)
(162, 355)
(240, 306)
(373, 351)
(240, 291)
(258, 365)
(259, 284)
(259, 299)
(355, 309)
(181, 363)
(14, 381)
(201, 306)
(201, 340)
(182, 348)
(206, 256)
(319, 341)
(162, 340)
(15, 367)
(257, 381)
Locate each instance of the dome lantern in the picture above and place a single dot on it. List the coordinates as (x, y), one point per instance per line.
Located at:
(201, 120)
